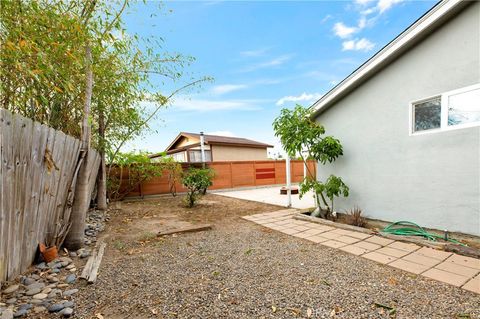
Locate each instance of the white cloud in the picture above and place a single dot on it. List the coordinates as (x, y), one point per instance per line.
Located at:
(326, 18)
(343, 31)
(358, 45)
(227, 88)
(302, 97)
(363, 2)
(205, 105)
(222, 133)
(267, 64)
(384, 5)
(254, 53)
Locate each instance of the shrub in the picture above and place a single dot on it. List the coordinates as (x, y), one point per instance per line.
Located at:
(354, 217)
(196, 180)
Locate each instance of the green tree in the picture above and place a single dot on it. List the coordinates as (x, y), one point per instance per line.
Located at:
(196, 180)
(301, 136)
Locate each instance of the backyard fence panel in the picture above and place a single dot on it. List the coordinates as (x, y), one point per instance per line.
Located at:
(37, 177)
(228, 175)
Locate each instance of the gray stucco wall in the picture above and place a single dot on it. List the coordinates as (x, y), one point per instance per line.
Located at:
(431, 179)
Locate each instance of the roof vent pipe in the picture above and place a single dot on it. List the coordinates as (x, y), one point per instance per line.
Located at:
(202, 147)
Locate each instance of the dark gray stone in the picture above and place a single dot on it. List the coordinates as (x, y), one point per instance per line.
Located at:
(26, 306)
(67, 312)
(71, 279)
(20, 313)
(56, 307)
(70, 292)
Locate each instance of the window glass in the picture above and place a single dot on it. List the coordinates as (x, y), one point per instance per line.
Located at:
(427, 114)
(196, 156)
(464, 107)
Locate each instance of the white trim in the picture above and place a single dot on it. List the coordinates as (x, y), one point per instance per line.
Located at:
(444, 112)
(388, 51)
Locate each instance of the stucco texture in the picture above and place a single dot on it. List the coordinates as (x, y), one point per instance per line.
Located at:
(237, 153)
(431, 179)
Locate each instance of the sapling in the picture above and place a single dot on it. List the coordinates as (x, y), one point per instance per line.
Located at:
(302, 136)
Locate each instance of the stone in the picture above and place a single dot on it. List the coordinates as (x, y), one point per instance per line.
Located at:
(55, 270)
(70, 292)
(66, 259)
(70, 266)
(68, 304)
(26, 306)
(7, 314)
(41, 266)
(73, 270)
(36, 301)
(72, 254)
(56, 307)
(67, 312)
(11, 301)
(20, 313)
(35, 276)
(71, 279)
(40, 296)
(11, 289)
(46, 290)
(34, 291)
(473, 285)
(65, 263)
(54, 285)
(28, 281)
(53, 279)
(62, 285)
(38, 285)
(380, 258)
(85, 254)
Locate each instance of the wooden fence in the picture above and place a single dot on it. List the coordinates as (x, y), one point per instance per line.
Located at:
(234, 175)
(38, 172)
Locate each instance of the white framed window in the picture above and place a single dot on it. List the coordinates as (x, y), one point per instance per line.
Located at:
(446, 111)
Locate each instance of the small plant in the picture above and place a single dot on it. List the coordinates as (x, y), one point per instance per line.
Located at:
(196, 180)
(354, 217)
(174, 171)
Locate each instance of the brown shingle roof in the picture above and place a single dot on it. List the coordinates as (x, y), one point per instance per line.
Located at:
(217, 139)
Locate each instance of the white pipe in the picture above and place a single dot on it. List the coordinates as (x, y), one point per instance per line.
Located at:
(289, 182)
(202, 146)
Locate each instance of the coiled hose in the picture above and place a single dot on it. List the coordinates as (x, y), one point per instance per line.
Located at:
(406, 228)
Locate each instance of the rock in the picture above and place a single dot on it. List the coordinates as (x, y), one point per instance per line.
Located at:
(39, 309)
(62, 285)
(70, 292)
(67, 312)
(41, 266)
(72, 254)
(68, 304)
(38, 285)
(7, 314)
(55, 270)
(34, 291)
(51, 286)
(26, 306)
(73, 270)
(56, 307)
(28, 281)
(65, 263)
(70, 266)
(34, 276)
(20, 313)
(52, 279)
(36, 301)
(65, 259)
(40, 296)
(71, 279)
(11, 301)
(11, 289)
(46, 290)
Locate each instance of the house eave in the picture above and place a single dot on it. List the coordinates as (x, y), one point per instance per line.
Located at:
(426, 24)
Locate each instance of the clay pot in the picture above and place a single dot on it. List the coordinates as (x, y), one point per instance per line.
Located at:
(49, 254)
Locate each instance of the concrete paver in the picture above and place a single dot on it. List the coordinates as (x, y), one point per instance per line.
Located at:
(442, 266)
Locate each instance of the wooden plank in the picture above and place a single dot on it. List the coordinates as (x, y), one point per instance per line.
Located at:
(92, 277)
(4, 147)
(190, 229)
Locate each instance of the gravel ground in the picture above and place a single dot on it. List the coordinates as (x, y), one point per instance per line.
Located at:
(241, 270)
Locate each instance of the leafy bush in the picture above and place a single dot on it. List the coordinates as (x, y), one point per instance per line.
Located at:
(302, 136)
(354, 217)
(174, 171)
(196, 180)
(129, 172)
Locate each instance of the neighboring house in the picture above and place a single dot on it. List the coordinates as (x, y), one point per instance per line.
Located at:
(186, 148)
(409, 122)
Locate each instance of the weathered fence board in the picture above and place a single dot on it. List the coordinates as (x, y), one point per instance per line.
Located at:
(37, 179)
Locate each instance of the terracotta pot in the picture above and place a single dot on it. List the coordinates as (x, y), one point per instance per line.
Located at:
(50, 253)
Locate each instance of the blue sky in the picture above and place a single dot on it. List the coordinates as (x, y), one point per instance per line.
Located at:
(263, 56)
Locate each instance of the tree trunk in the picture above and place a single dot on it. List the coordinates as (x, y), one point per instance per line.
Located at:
(75, 237)
(102, 173)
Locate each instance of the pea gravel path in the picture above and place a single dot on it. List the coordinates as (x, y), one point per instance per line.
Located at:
(242, 270)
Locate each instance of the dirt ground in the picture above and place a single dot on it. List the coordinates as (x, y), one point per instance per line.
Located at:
(242, 270)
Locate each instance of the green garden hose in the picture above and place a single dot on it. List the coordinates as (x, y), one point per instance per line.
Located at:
(405, 228)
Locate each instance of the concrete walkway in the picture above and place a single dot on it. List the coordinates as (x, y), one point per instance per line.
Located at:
(270, 195)
(442, 266)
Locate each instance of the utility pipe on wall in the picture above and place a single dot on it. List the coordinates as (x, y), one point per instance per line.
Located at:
(289, 182)
(202, 148)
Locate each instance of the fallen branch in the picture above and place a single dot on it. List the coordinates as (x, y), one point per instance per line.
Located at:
(185, 230)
